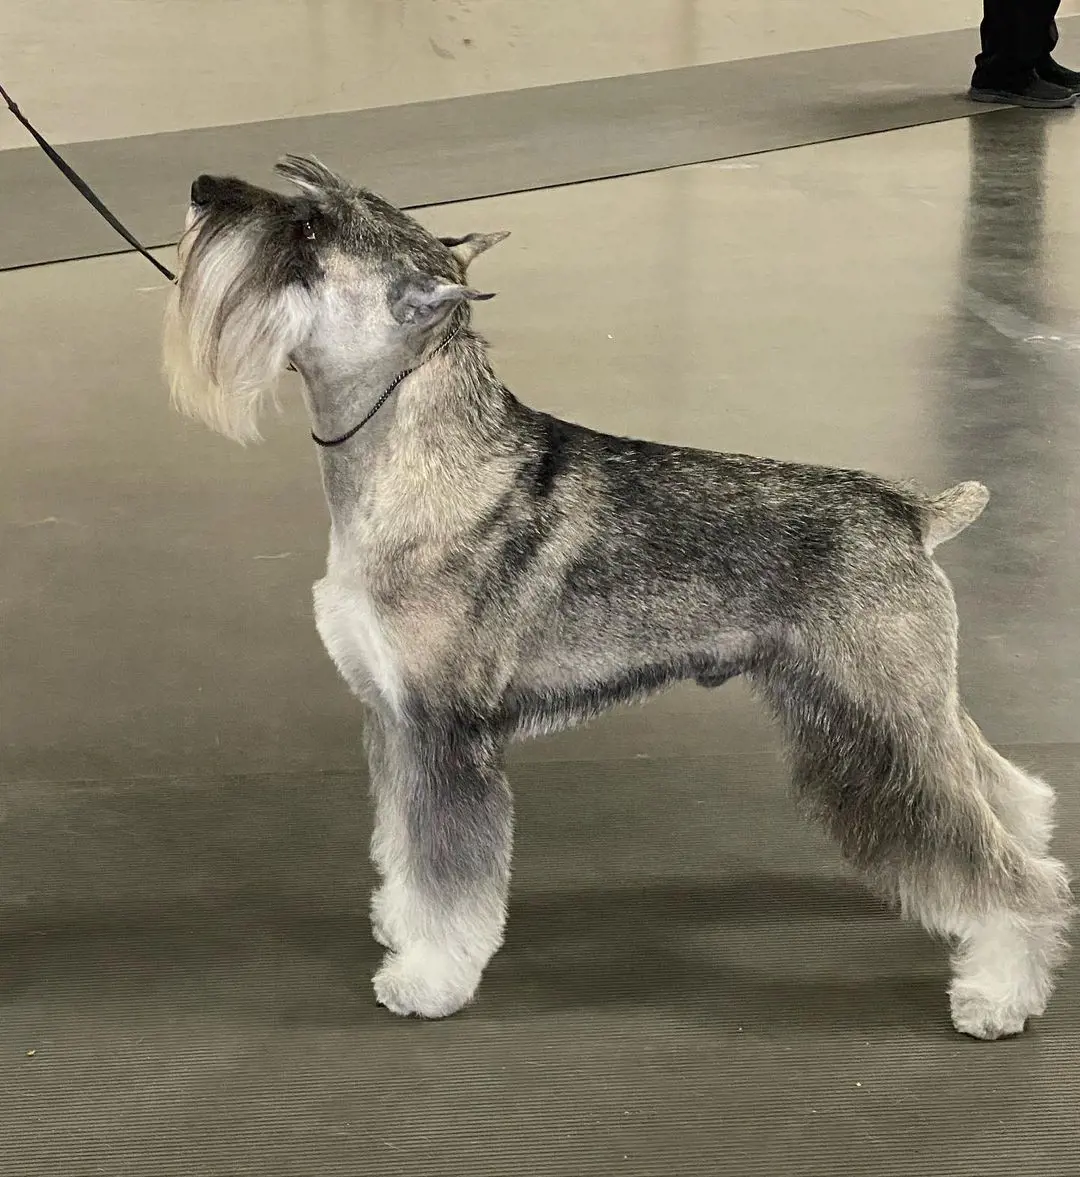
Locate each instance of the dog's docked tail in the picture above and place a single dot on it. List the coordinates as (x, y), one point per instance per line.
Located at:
(951, 511)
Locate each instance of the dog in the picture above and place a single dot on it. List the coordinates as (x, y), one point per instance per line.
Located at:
(496, 573)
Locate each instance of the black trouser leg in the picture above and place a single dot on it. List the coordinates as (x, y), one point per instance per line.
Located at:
(1017, 36)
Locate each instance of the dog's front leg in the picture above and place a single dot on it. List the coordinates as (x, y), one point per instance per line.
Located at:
(383, 904)
(442, 843)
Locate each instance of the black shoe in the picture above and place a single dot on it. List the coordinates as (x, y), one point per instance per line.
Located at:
(1038, 95)
(1058, 75)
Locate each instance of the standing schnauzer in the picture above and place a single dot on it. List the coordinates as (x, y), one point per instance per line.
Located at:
(496, 573)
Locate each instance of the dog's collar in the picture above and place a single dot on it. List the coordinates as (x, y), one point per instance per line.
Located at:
(330, 442)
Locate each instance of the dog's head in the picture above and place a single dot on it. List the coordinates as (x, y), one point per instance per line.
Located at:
(332, 278)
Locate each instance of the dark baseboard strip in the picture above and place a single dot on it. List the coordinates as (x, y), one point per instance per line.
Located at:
(485, 145)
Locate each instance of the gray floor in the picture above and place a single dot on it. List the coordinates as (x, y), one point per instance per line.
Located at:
(692, 983)
(426, 153)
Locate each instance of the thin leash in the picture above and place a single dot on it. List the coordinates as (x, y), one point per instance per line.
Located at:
(92, 198)
(330, 442)
(81, 186)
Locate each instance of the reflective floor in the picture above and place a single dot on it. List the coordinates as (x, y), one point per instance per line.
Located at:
(907, 303)
(173, 64)
(692, 983)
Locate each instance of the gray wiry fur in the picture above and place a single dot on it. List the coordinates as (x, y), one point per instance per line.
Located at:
(494, 573)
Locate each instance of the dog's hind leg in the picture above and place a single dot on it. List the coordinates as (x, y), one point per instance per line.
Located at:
(442, 843)
(1023, 803)
(977, 871)
(883, 754)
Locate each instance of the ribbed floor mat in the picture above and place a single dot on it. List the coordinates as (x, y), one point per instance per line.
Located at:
(691, 985)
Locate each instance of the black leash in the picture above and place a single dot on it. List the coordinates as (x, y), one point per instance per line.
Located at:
(329, 443)
(81, 186)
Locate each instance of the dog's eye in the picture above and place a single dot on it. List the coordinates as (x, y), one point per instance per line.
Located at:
(303, 214)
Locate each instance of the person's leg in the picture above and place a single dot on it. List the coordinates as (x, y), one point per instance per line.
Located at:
(991, 36)
(1017, 39)
(1050, 71)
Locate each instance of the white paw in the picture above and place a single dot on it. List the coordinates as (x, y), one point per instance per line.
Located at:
(385, 923)
(426, 981)
(978, 1016)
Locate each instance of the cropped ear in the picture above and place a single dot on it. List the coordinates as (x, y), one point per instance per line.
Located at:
(418, 300)
(309, 175)
(466, 248)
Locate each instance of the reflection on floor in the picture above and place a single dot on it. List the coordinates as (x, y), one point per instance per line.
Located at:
(692, 983)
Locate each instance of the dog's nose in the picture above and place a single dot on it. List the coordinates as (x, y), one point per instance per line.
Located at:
(202, 191)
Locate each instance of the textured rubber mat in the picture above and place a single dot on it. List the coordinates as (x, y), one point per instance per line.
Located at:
(692, 985)
(483, 145)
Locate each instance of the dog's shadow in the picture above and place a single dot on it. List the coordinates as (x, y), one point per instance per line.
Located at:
(782, 950)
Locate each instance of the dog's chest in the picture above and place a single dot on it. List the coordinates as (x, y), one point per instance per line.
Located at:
(357, 640)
